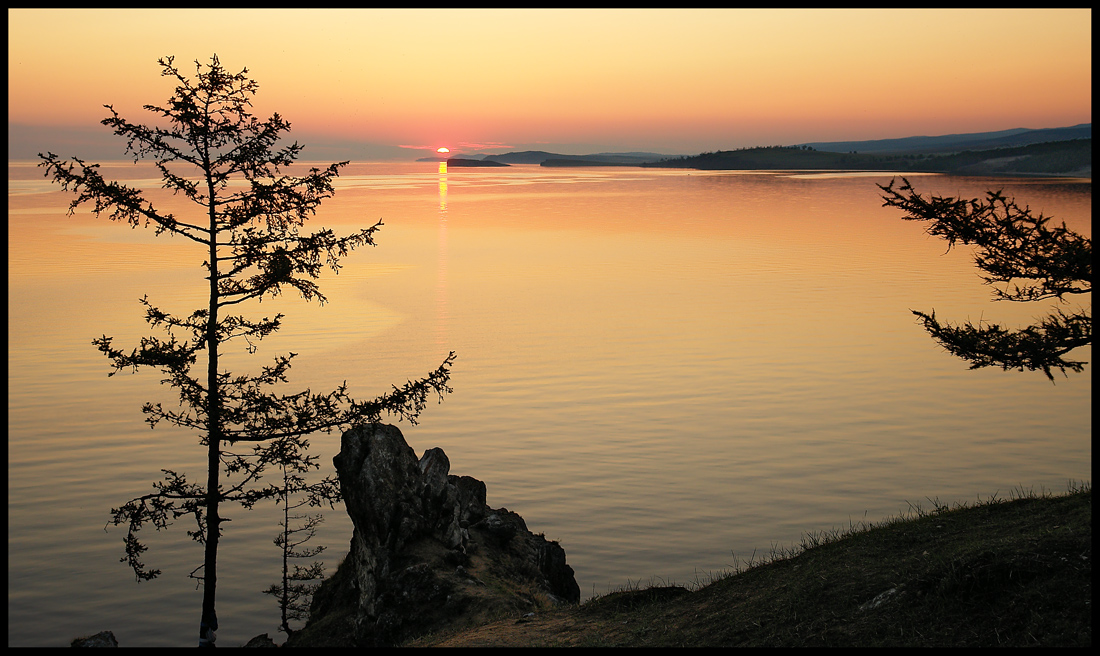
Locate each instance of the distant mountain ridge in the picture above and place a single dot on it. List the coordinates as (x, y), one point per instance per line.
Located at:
(955, 142)
(943, 152)
(1072, 157)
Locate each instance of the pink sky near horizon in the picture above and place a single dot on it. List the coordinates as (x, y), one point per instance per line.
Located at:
(675, 81)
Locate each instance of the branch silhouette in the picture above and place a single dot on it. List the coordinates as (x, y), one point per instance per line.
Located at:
(1025, 258)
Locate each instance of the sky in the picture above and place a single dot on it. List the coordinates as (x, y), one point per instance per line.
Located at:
(398, 84)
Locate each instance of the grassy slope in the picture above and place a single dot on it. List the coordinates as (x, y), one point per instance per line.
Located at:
(999, 573)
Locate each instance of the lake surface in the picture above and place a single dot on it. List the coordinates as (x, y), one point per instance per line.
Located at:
(667, 371)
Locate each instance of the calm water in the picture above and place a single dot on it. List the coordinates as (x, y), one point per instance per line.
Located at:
(664, 370)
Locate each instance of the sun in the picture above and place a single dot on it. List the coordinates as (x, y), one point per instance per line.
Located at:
(442, 149)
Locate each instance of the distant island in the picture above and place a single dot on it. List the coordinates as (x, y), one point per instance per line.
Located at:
(458, 161)
(541, 157)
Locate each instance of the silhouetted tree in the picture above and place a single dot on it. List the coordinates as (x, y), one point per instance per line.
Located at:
(294, 591)
(212, 150)
(1030, 259)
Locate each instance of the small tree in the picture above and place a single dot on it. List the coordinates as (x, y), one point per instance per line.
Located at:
(212, 150)
(294, 591)
(1030, 259)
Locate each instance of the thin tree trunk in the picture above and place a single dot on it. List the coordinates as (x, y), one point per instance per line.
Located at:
(286, 553)
(209, 622)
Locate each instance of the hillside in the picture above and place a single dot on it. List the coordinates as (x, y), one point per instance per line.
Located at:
(956, 142)
(1052, 158)
(1004, 573)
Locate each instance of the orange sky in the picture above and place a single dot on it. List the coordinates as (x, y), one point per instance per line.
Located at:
(673, 81)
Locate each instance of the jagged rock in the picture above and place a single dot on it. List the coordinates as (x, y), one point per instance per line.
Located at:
(261, 641)
(101, 639)
(500, 530)
(427, 552)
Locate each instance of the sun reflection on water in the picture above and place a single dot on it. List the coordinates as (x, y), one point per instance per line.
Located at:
(441, 264)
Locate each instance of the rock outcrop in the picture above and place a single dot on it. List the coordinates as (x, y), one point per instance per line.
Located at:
(427, 553)
(101, 639)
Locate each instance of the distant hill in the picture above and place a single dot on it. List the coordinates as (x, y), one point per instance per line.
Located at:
(541, 156)
(1071, 158)
(523, 157)
(620, 157)
(447, 156)
(460, 162)
(957, 142)
(579, 161)
(1063, 158)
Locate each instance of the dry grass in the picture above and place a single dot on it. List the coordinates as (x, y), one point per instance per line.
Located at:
(1003, 572)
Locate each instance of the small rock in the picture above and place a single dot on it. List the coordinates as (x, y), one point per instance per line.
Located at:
(101, 639)
(882, 598)
(262, 640)
(498, 528)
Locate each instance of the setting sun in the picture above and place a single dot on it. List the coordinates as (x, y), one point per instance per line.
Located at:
(737, 78)
(443, 149)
